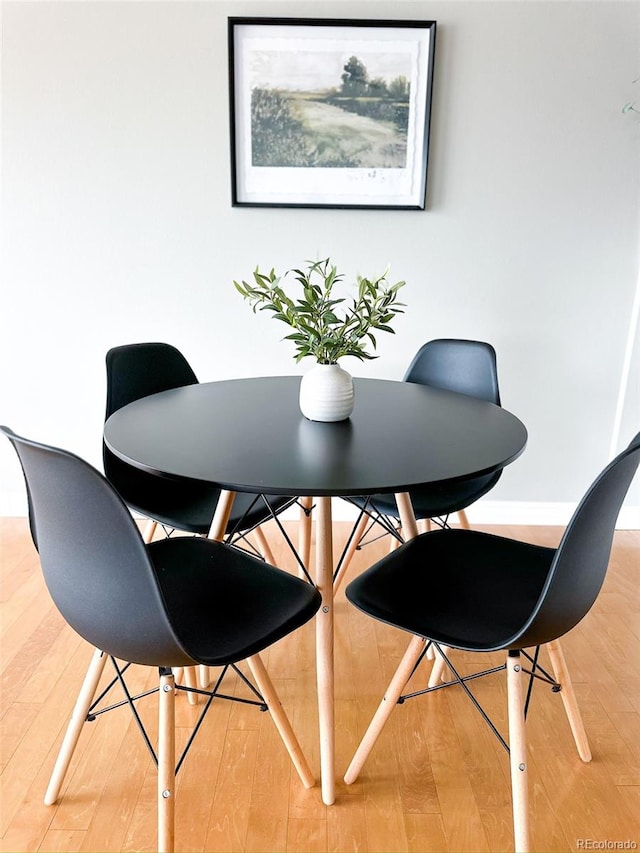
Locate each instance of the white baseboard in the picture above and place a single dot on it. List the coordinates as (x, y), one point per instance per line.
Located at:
(484, 512)
(13, 505)
(539, 513)
(507, 512)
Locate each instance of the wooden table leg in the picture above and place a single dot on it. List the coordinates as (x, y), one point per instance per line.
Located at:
(324, 649)
(216, 531)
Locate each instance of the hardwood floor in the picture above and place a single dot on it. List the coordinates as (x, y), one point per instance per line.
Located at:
(437, 780)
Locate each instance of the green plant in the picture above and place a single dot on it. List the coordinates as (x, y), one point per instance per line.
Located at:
(325, 326)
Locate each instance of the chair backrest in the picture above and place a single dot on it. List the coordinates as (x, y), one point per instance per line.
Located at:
(94, 561)
(138, 370)
(582, 558)
(135, 371)
(467, 367)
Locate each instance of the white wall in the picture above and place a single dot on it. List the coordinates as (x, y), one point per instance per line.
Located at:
(117, 223)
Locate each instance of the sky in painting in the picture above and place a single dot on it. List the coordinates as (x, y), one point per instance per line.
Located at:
(310, 71)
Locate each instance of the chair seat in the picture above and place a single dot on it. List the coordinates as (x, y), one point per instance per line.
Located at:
(224, 605)
(434, 501)
(429, 586)
(187, 505)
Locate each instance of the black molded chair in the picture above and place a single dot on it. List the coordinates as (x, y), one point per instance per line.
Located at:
(177, 602)
(138, 370)
(486, 594)
(464, 366)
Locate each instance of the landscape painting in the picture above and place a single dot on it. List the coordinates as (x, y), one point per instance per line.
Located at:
(355, 117)
(330, 113)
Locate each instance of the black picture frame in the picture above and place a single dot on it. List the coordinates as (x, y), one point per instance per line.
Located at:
(330, 113)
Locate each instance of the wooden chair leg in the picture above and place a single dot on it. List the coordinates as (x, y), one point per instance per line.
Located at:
(304, 533)
(389, 700)
(463, 520)
(268, 691)
(407, 516)
(149, 530)
(192, 677)
(205, 677)
(264, 547)
(219, 524)
(439, 669)
(166, 762)
(78, 718)
(569, 700)
(356, 538)
(190, 680)
(394, 542)
(518, 752)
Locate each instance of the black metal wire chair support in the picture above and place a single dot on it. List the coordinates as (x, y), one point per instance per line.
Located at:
(377, 518)
(130, 700)
(285, 535)
(536, 672)
(389, 527)
(248, 547)
(237, 534)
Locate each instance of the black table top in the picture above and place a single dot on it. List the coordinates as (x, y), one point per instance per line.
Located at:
(249, 435)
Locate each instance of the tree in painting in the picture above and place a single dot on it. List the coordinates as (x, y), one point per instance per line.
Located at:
(355, 78)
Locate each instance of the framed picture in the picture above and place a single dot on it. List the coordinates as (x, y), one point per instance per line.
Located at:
(330, 113)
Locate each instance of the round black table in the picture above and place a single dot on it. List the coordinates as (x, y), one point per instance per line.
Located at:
(249, 435)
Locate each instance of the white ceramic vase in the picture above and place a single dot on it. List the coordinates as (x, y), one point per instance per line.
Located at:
(326, 393)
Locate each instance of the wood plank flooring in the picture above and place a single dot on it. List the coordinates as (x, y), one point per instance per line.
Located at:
(437, 780)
